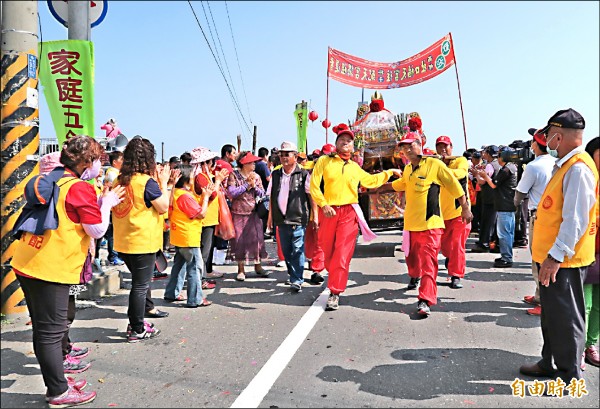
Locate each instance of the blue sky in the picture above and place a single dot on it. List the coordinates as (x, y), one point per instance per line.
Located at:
(518, 63)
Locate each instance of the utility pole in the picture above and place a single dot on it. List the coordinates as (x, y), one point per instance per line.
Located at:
(162, 152)
(254, 141)
(79, 27)
(239, 142)
(20, 130)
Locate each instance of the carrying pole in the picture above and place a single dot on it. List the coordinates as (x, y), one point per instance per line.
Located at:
(459, 95)
(327, 107)
(20, 131)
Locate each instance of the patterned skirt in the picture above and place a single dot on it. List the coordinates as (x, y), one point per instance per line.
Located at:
(249, 242)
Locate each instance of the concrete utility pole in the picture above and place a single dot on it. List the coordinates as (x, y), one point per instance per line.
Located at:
(254, 141)
(79, 20)
(20, 130)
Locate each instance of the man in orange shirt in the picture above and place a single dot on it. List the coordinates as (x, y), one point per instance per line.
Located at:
(339, 214)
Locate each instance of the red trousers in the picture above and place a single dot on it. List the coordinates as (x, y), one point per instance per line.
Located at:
(337, 239)
(422, 261)
(454, 241)
(279, 252)
(312, 249)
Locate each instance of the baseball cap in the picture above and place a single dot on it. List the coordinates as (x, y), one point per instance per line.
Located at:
(492, 150)
(174, 159)
(410, 137)
(538, 136)
(565, 118)
(476, 155)
(288, 147)
(327, 149)
(342, 129)
(444, 139)
(302, 155)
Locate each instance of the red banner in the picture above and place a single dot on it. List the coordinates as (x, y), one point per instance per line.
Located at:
(357, 72)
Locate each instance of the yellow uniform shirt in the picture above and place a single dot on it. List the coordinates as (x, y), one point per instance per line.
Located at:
(341, 181)
(58, 255)
(422, 186)
(137, 229)
(549, 218)
(185, 232)
(459, 167)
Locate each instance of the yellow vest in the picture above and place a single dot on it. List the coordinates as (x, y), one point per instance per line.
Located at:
(451, 209)
(549, 219)
(137, 228)
(185, 232)
(58, 255)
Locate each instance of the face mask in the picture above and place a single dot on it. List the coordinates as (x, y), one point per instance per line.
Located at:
(92, 172)
(552, 152)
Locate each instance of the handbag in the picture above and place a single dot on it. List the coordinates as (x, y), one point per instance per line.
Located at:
(86, 272)
(225, 228)
(262, 207)
(161, 262)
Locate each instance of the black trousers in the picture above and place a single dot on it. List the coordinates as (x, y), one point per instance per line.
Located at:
(487, 224)
(476, 210)
(141, 267)
(66, 342)
(48, 305)
(563, 323)
(207, 243)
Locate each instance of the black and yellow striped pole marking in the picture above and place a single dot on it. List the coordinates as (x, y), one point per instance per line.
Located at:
(20, 131)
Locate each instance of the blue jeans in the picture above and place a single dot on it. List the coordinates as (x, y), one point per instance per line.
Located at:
(193, 268)
(505, 227)
(291, 238)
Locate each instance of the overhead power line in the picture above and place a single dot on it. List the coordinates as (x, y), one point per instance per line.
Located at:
(235, 102)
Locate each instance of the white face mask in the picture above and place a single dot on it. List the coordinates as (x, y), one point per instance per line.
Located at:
(552, 152)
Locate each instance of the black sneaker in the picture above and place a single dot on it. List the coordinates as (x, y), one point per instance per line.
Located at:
(480, 249)
(296, 287)
(456, 282)
(503, 263)
(423, 308)
(414, 282)
(316, 278)
(446, 263)
(159, 276)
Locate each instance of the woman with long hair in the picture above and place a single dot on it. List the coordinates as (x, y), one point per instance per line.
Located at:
(48, 265)
(244, 187)
(138, 229)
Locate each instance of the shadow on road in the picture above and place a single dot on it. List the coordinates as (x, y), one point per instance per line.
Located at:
(432, 372)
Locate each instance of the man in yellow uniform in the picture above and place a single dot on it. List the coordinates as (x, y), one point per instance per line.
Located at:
(564, 246)
(454, 239)
(339, 213)
(422, 179)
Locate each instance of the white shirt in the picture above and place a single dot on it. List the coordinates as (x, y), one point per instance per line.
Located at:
(284, 189)
(579, 193)
(535, 177)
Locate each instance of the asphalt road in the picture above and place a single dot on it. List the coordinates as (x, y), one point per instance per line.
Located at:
(259, 345)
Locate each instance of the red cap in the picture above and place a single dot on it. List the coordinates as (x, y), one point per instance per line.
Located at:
(200, 182)
(342, 129)
(249, 158)
(443, 139)
(538, 136)
(222, 164)
(327, 149)
(410, 137)
(316, 152)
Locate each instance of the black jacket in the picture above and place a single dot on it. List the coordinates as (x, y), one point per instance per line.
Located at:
(487, 193)
(298, 209)
(506, 183)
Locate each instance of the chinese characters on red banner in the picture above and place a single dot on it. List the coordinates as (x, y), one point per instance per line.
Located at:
(375, 75)
(70, 91)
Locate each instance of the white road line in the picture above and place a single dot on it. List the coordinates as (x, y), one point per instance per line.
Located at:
(257, 389)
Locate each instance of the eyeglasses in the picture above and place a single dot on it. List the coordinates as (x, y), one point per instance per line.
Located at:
(288, 154)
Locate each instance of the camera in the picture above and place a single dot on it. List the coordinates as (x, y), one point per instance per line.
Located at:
(520, 153)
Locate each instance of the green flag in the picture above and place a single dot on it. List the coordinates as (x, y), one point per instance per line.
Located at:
(301, 115)
(67, 76)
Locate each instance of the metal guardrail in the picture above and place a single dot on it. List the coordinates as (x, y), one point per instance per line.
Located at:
(49, 145)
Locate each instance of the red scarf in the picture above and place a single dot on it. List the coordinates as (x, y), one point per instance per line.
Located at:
(345, 156)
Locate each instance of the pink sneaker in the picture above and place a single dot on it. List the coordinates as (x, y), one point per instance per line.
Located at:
(74, 365)
(72, 397)
(73, 383)
(592, 356)
(79, 353)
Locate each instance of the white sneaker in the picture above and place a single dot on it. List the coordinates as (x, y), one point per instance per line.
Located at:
(281, 263)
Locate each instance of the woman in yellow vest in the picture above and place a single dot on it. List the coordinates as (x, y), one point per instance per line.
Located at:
(138, 229)
(186, 214)
(47, 265)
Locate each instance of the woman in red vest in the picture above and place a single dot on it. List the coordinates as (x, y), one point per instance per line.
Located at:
(47, 265)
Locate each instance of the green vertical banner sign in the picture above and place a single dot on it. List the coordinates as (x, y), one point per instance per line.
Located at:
(67, 76)
(301, 115)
